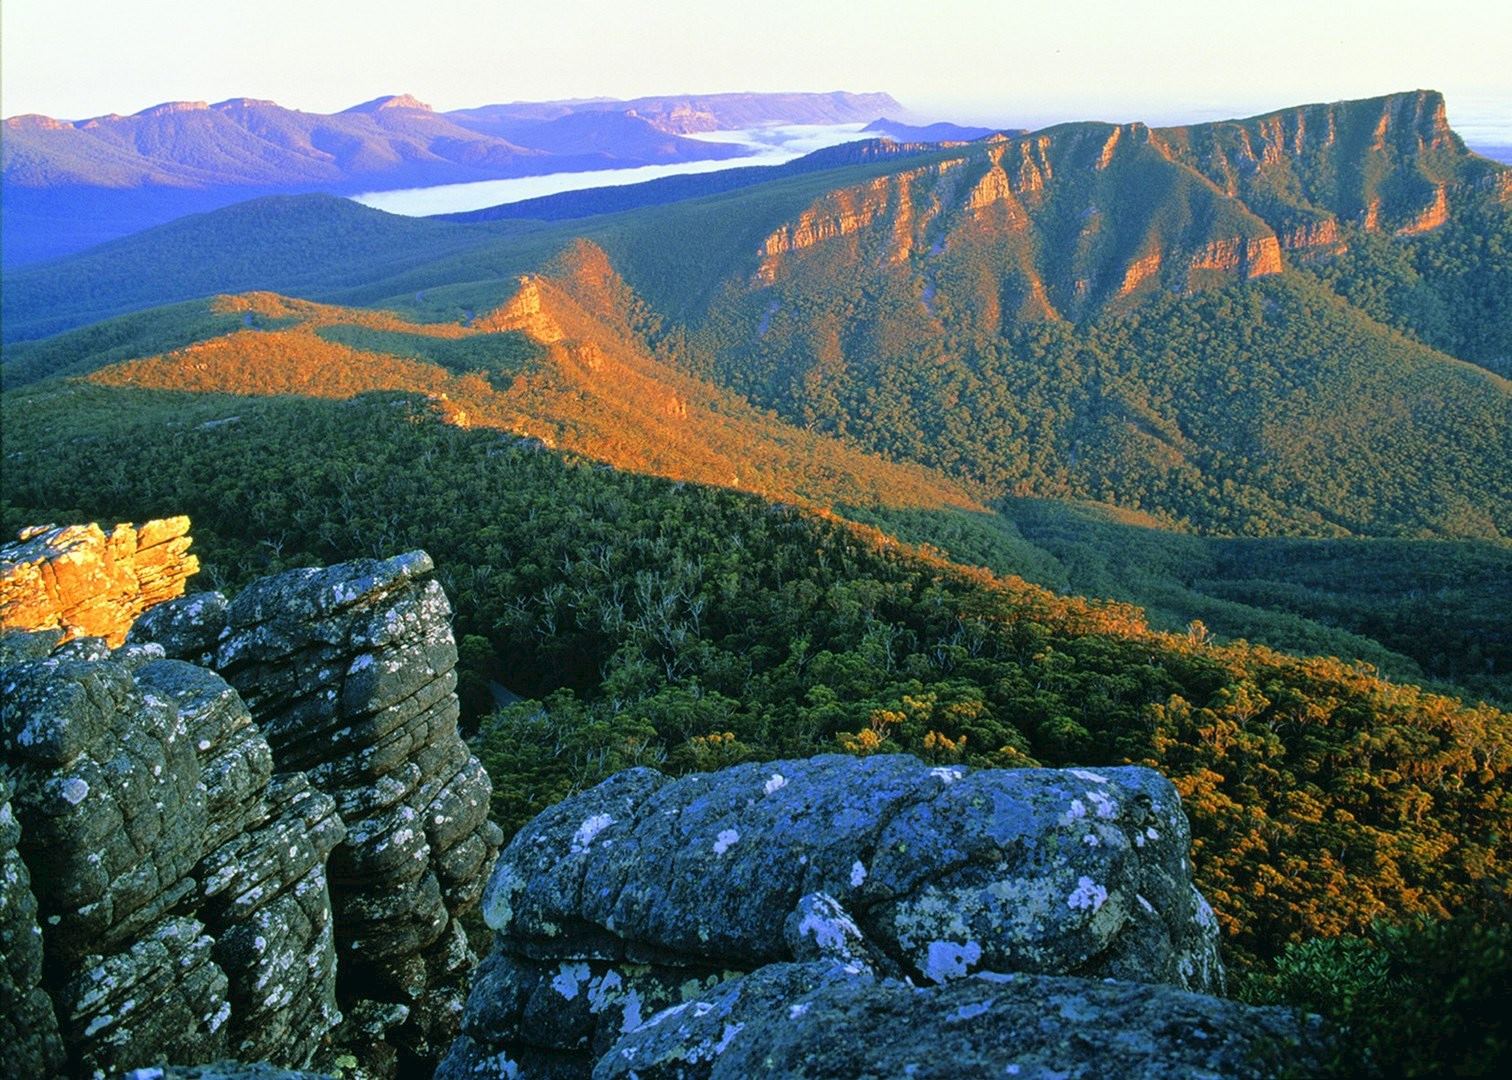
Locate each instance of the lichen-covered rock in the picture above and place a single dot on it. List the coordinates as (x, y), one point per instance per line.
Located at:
(188, 628)
(144, 792)
(111, 804)
(177, 869)
(880, 863)
(949, 869)
(163, 996)
(825, 1019)
(84, 582)
(223, 1070)
(29, 1040)
(348, 671)
(264, 896)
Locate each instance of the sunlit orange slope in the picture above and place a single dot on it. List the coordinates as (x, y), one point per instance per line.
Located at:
(596, 391)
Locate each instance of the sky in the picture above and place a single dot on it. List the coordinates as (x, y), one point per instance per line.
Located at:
(999, 62)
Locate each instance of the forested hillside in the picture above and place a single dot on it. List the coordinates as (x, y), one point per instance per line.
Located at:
(691, 626)
(1102, 444)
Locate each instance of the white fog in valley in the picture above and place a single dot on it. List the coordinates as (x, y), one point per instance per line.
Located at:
(769, 145)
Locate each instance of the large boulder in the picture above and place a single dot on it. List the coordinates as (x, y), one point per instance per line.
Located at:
(824, 1021)
(644, 891)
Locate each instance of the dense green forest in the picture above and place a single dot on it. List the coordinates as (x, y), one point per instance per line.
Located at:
(1269, 408)
(1451, 289)
(689, 627)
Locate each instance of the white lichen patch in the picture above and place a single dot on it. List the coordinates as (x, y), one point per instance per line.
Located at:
(601, 991)
(1087, 894)
(829, 932)
(795, 1011)
(858, 874)
(1088, 774)
(1145, 903)
(569, 977)
(726, 839)
(727, 1037)
(588, 830)
(1091, 840)
(776, 782)
(946, 775)
(632, 1018)
(74, 790)
(1075, 812)
(950, 959)
(1103, 806)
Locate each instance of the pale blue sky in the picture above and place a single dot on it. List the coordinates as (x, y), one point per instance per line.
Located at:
(999, 62)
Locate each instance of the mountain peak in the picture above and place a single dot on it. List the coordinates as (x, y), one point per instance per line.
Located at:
(167, 108)
(391, 101)
(245, 103)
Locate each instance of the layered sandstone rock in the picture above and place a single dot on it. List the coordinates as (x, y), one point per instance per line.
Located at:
(349, 672)
(84, 582)
(832, 1019)
(206, 880)
(29, 1041)
(629, 908)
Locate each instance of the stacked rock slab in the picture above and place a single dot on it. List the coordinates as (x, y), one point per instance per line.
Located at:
(824, 1020)
(29, 1041)
(261, 888)
(165, 872)
(88, 583)
(113, 822)
(627, 912)
(349, 673)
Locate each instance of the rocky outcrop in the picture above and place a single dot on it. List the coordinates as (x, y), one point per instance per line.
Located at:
(865, 876)
(86, 583)
(525, 312)
(828, 1019)
(29, 1041)
(204, 879)
(348, 671)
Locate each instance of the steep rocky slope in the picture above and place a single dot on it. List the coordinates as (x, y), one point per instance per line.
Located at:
(213, 873)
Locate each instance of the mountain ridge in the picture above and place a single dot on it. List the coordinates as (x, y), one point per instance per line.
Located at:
(109, 175)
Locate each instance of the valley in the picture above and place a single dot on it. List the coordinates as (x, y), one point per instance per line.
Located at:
(1096, 446)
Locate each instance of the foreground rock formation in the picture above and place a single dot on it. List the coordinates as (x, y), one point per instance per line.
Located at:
(86, 583)
(247, 833)
(842, 916)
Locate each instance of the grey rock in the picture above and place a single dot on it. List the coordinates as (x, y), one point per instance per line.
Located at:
(19, 645)
(112, 812)
(187, 628)
(946, 869)
(264, 896)
(162, 996)
(349, 671)
(195, 864)
(29, 1041)
(825, 1020)
(875, 868)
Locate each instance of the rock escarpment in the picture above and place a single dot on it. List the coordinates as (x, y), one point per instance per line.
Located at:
(188, 878)
(349, 673)
(688, 927)
(86, 583)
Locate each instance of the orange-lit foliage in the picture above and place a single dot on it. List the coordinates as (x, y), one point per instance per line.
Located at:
(598, 393)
